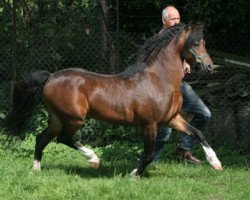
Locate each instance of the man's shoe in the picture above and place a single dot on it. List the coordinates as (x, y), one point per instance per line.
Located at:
(187, 155)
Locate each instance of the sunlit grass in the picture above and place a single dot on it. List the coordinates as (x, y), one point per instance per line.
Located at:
(66, 175)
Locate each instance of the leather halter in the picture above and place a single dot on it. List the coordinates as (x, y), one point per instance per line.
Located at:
(198, 58)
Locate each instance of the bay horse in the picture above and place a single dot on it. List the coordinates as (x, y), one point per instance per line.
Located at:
(146, 94)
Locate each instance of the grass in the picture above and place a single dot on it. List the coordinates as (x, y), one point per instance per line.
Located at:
(66, 175)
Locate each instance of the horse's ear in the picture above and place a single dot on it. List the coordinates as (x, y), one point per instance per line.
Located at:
(200, 25)
(193, 27)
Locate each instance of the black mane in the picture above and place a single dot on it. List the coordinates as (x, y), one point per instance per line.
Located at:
(153, 46)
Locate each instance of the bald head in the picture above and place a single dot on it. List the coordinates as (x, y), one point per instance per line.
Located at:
(170, 16)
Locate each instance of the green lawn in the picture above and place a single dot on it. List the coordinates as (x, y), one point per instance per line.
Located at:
(66, 175)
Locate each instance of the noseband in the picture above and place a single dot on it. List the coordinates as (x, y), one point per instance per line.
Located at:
(198, 58)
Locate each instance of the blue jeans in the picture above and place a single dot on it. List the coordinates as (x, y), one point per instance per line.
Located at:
(191, 104)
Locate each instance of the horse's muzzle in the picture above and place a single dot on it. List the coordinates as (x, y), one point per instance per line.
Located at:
(210, 68)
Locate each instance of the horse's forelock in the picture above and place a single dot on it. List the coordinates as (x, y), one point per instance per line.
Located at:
(196, 34)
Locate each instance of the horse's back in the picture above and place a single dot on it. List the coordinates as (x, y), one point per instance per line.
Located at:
(75, 92)
(80, 72)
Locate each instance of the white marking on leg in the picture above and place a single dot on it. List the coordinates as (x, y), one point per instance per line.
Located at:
(133, 174)
(212, 158)
(37, 165)
(89, 153)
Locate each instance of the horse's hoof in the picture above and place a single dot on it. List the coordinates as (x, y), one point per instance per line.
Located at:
(217, 167)
(95, 165)
(37, 168)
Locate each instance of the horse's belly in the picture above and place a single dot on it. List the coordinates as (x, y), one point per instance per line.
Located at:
(109, 114)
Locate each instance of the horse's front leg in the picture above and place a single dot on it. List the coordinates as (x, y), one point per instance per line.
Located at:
(180, 124)
(149, 134)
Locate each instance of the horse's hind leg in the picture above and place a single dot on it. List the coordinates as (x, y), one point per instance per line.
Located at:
(66, 138)
(182, 125)
(42, 140)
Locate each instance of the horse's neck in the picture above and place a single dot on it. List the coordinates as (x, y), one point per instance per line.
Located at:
(168, 66)
(171, 60)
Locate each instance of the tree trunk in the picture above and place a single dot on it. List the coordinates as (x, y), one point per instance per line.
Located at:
(108, 48)
(41, 8)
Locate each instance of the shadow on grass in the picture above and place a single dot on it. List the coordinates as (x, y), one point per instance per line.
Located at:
(105, 170)
(120, 160)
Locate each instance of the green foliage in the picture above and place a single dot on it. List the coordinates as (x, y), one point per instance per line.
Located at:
(100, 133)
(121, 151)
(225, 19)
(67, 33)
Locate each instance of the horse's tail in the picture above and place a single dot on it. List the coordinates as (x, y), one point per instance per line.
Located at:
(24, 102)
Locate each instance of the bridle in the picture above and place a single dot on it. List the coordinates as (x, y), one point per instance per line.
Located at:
(198, 61)
(198, 58)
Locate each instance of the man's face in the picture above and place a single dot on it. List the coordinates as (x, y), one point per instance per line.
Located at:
(172, 19)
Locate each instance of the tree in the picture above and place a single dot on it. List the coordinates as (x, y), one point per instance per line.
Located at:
(109, 53)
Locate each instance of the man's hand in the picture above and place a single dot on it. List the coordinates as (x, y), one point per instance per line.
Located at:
(186, 68)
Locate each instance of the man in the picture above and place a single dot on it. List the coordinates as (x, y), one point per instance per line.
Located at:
(191, 104)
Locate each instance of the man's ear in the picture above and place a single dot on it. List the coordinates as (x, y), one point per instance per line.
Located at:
(163, 21)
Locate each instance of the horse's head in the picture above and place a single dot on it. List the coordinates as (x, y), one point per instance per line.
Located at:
(194, 50)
